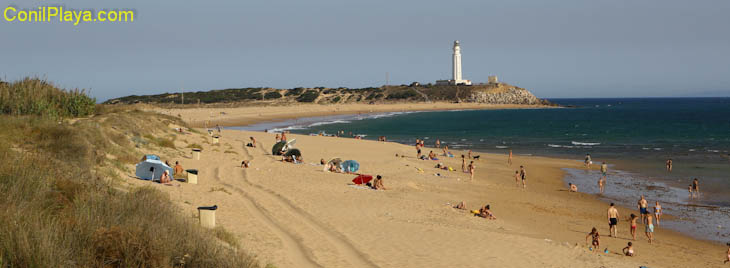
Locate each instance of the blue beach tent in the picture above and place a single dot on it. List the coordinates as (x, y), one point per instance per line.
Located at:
(350, 166)
(152, 170)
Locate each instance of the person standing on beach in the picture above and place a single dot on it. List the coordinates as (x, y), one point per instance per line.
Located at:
(517, 178)
(471, 170)
(604, 170)
(509, 160)
(612, 220)
(469, 154)
(283, 136)
(523, 175)
(438, 143)
(643, 211)
(588, 161)
(633, 225)
(601, 184)
(657, 212)
(696, 187)
(463, 163)
(669, 165)
(649, 230)
(418, 150)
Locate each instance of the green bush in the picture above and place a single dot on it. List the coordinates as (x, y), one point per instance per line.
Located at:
(33, 96)
(294, 91)
(308, 96)
(336, 99)
(272, 95)
(405, 94)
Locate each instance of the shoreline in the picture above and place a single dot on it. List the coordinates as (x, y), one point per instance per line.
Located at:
(544, 218)
(241, 116)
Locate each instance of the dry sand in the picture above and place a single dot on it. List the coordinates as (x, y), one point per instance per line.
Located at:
(296, 215)
(240, 116)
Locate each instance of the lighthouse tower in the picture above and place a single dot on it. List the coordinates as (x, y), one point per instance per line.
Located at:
(456, 78)
(456, 61)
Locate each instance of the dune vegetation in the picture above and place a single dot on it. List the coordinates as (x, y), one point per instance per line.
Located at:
(62, 160)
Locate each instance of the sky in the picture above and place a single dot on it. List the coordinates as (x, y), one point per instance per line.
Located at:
(556, 49)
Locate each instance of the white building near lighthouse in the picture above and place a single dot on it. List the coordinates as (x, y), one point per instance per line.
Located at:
(456, 78)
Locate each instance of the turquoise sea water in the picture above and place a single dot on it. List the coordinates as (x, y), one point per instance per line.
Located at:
(635, 136)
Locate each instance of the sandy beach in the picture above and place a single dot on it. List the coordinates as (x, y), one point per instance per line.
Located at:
(240, 116)
(296, 215)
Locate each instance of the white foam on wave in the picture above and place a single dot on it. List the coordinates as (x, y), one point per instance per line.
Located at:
(585, 143)
(278, 130)
(501, 147)
(328, 123)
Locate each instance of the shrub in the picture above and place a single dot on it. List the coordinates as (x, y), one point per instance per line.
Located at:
(336, 99)
(294, 91)
(33, 96)
(272, 95)
(405, 94)
(308, 96)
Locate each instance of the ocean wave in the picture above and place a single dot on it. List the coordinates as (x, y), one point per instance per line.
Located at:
(282, 129)
(501, 147)
(585, 143)
(328, 123)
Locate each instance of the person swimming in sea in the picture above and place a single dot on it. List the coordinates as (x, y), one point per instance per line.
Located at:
(669, 165)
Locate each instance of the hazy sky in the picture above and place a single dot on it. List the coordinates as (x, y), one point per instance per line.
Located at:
(561, 48)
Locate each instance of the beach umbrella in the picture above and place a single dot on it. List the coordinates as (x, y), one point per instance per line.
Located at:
(335, 161)
(276, 150)
(151, 170)
(350, 166)
(150, 157)
(293, 152)
(362, 179)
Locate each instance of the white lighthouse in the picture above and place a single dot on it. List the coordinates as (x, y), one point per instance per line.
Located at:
(456, 78)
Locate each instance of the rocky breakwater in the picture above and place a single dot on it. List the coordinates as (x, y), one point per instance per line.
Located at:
(505, 95)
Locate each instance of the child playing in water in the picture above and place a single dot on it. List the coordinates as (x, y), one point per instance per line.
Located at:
(633, 225)
(629, 250)
(595, 237)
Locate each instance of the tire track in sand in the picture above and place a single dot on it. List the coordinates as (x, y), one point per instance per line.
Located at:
(297, 251)
(350, 254)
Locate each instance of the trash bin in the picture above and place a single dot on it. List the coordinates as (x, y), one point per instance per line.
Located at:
(207, 216)
(192, 176)
(196, 154)
(216, 139)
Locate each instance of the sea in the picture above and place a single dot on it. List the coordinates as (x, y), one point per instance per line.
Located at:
(635, 136)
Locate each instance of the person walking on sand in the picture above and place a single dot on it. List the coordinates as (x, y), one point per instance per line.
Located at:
(523, 175)
(643, 211)
(633, 225)
(601, 184)
(438, 143)
(649, 230)
(471, 170)
(517, 178)
(612, 214)
(509, 160)
(657, 212)
(696, 188)
(588, 161)
(669, 165)
(463, 164)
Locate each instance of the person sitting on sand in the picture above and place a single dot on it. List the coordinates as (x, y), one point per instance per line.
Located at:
(629, 250)
(165, 178)
(244, 164)
(253, 142)
(461, 205)
(432, 156)
(178, 169)
(378, 184)
(446, 150)
(278, 138)
(573, 187)
(486, 213)
(595, 237)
